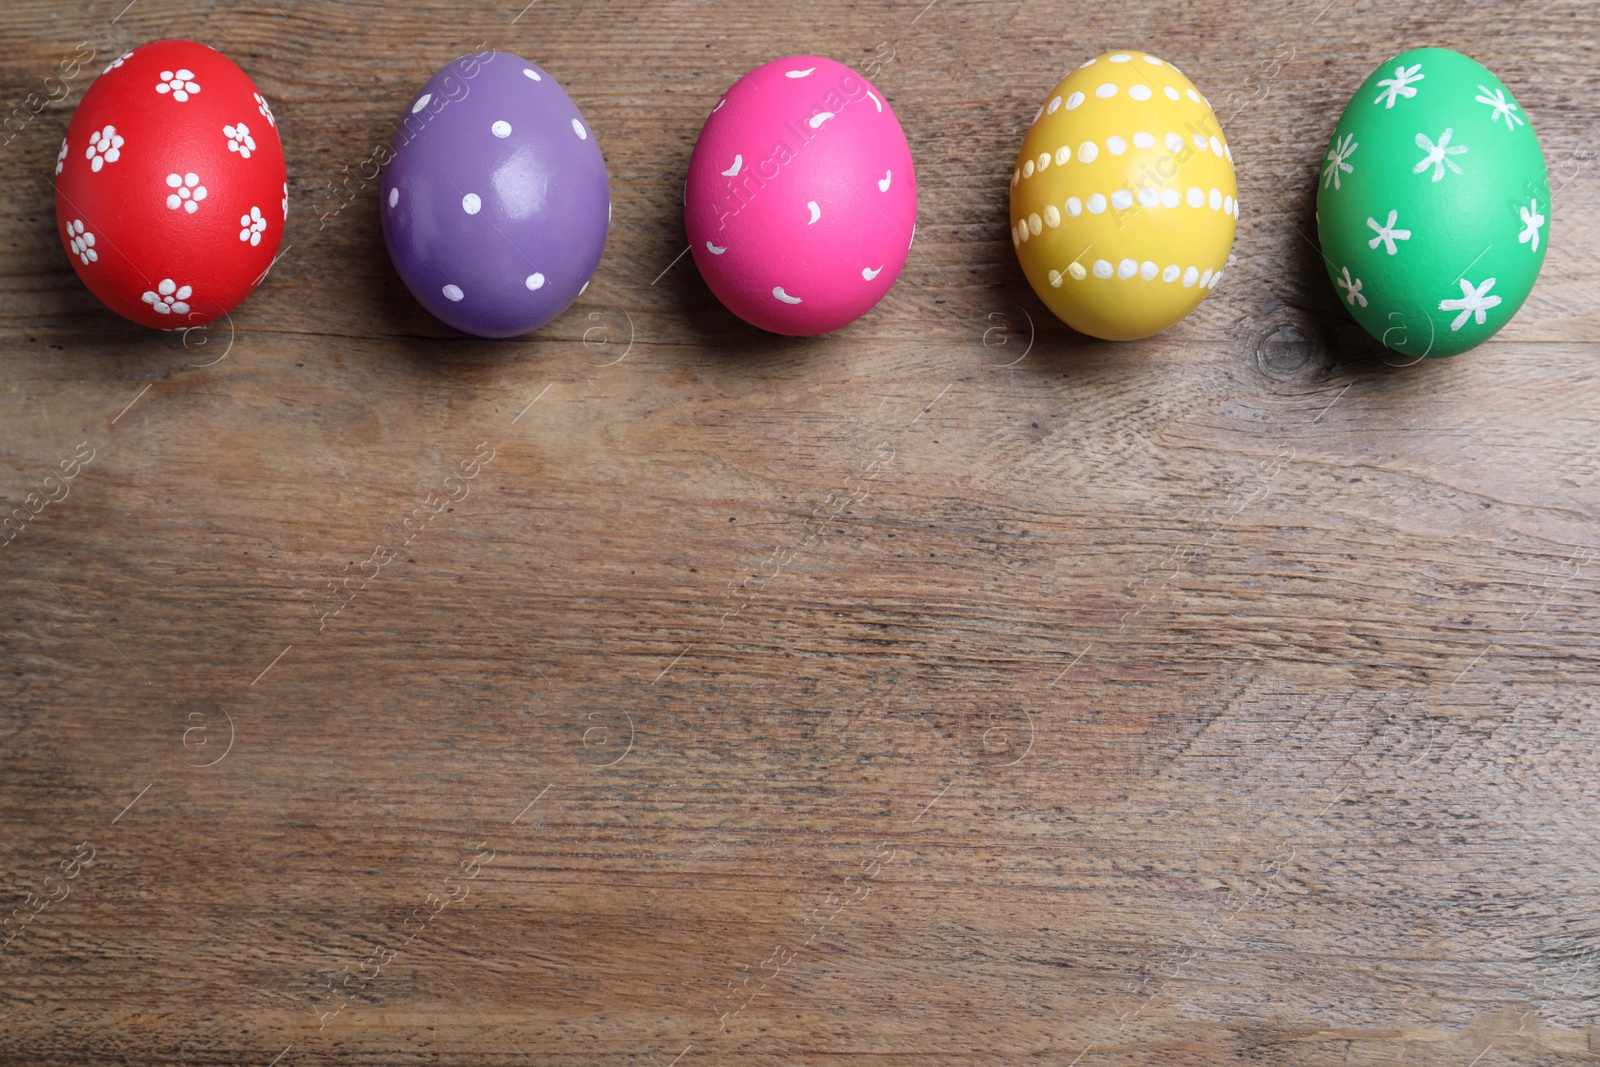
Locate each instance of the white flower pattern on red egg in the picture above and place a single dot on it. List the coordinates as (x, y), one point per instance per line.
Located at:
(239, 139)
(265, 109)
(169, 298)
(115, 63)
(253, 226)
(61, 157)
(104, 147)
(179, 83)
(81, 242)
(187, 192)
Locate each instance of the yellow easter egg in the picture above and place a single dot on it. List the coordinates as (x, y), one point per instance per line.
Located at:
(1123, 200)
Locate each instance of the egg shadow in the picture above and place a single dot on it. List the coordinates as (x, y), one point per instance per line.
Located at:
(1352, 351)
(432, 351)
(731, 344)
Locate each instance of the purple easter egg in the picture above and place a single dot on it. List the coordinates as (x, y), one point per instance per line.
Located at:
(495, 203)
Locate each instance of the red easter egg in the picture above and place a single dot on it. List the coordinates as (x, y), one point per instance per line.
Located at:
(171, 191)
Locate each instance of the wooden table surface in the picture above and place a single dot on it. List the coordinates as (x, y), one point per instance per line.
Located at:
(951, 689)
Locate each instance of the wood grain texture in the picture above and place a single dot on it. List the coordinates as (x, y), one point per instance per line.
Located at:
(950, 689)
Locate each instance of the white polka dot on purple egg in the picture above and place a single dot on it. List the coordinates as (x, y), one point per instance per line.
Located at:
(535, 281)
(529, 72)
(577, 128)
(394, 197)
(453, 292)
(501, 129)
(471, 204)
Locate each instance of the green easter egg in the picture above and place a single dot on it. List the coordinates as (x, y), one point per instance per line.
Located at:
(1433, 205)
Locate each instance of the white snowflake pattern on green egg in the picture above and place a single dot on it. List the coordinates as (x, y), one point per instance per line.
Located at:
(1433, 204)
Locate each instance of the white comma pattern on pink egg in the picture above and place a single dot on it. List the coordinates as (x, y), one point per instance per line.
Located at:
(778, 292)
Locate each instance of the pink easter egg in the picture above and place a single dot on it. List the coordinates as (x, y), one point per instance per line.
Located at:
(801, 201)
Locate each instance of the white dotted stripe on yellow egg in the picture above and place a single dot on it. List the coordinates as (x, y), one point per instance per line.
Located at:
(1149, 271)
(1122, 200)
(1139, 91)
(1116, 145)
(1106, 90)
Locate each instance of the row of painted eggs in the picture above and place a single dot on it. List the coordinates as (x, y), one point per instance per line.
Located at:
(801, 198)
